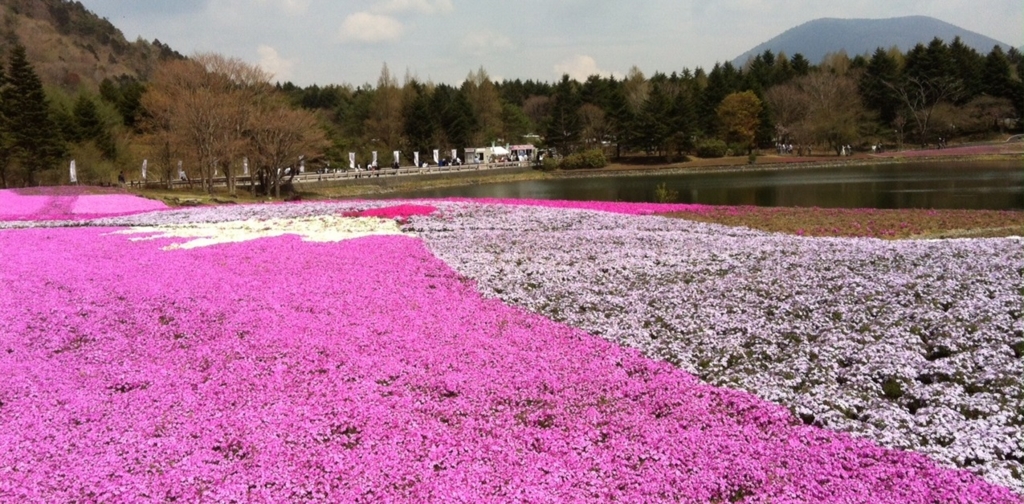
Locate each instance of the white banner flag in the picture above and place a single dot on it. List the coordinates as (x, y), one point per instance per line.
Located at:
(144, 163)
(74, 174)
(416, 159)
(302, 164)
(374, 158)
(351, 160)
(245, 166)
(181, 171)
(455, 154)
(397, 155)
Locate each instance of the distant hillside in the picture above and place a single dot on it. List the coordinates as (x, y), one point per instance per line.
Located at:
(71, 47)
(815, 39)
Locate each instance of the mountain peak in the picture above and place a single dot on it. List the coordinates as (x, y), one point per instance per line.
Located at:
(814, 39)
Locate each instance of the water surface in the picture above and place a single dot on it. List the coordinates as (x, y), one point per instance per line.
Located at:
(996, 185)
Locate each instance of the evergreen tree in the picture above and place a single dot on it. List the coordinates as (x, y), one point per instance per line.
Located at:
(419, 121)
(998, 80)
(455, 114)
(87, 119)
(967, 64)
(722, 81)
(876, 86)
(765, 125)
(35, 140)
(800, 65)
(654, 123)
(514, 122)
(597, 91)
(996, 74)
(5, 150)
(563, 129)
(623, 120)
(683, 116)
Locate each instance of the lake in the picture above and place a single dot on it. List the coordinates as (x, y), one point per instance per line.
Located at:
(995, 185)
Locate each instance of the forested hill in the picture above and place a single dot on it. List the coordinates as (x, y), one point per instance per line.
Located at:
(71, 47)
(815, 39)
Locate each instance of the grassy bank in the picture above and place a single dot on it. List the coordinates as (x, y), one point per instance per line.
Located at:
(867, 222)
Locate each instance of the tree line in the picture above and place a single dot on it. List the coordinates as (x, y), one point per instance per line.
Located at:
(219, 116)
(931, 92)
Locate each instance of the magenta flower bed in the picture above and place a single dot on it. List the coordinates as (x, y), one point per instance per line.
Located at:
(397, 212)
(69, 203)
(369, 371)
(14, 205)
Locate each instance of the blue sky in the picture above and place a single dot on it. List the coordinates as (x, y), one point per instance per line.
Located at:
(325, 42)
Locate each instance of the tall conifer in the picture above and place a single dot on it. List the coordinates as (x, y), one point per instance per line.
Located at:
(35, 140)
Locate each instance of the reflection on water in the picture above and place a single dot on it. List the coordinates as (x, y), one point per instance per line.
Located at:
(997, 185)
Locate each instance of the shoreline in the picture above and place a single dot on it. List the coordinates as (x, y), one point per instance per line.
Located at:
(388, 186)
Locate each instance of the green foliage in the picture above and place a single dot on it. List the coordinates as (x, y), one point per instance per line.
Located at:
(35, 141)
(593, 158)
(877, 86)
(662, 194)
(564, 125)
(550, 163)
(711, 148)
(739, 117)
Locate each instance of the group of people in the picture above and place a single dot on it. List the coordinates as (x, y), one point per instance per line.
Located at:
(447, 162)
(784, 148)
(787, 148)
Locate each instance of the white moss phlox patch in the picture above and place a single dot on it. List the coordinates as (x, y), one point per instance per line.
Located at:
(324, 228)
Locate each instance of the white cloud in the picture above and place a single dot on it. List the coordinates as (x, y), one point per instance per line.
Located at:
(291, 7)
(420, 6)
(371, 28)
(272, 62)
(580, 67)
(481, 43)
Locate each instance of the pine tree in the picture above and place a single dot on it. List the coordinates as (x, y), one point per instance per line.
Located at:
(35, 140)
(654, 120)
(564, 127)
(967, 65)
(877, 86)
(87, 119)
(5, 151)
(997, 78)
(800, 65)
(419, 121)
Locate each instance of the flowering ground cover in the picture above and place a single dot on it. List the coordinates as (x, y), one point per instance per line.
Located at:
(915, 344)
(70, 203)
(288, 352)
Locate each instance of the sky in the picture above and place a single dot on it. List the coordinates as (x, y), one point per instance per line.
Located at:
(348, 42)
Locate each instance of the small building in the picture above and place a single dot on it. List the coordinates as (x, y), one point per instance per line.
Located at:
(499, 154)
(523, 152)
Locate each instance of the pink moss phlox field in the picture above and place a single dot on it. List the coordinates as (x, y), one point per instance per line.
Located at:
(915, 344)
(69, 203)
(397, 212)
(369, 371)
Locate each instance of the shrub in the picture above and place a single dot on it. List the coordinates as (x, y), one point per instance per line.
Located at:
(549, 164)
(586, 159)
(711, 148)
(662, 194)
(738, 149)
